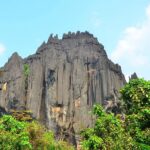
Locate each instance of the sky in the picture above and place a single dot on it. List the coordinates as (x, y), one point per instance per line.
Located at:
(122, 26)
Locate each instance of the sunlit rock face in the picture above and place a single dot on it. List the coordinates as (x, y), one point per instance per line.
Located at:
(66, 77)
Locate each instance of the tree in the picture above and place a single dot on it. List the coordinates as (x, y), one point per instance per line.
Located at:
(136, 95)
(108, 133)
(136, 98)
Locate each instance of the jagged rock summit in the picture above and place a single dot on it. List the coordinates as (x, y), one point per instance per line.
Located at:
(61, 81)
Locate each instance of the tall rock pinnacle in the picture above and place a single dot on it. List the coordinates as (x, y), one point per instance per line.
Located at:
(66, 77)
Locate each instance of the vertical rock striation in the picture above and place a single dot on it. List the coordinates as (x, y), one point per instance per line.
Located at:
(67, 76)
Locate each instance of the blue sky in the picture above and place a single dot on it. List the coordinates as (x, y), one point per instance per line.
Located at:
(122, 26)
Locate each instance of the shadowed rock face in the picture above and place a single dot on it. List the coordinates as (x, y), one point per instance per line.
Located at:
(67, 76)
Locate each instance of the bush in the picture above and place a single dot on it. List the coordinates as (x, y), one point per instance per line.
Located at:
(13, 134)
(19, 135)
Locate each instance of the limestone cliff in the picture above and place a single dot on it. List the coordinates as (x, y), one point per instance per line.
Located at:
(66, 77)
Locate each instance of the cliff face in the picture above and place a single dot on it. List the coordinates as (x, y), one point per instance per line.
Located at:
(66, 77)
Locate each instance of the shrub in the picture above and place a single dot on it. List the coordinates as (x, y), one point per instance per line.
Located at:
(41, 138)
(19, 135)
(13, 134)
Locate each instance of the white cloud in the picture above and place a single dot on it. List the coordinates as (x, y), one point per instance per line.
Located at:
(133, 49)
(2, 48)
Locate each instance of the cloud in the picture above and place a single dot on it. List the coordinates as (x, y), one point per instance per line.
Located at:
(2, 49)
(133, 49)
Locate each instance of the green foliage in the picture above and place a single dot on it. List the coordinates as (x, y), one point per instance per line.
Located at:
(18, 135)
(108, 133)
(39, 137)
(26, 70)
(138, 126)
(13, 134)
(136, 95)
(43, 139)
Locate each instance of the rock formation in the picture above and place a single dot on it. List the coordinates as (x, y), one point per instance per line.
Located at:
(133, 76)
(65, 78)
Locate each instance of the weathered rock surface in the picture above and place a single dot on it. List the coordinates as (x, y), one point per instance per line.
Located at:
(67, 76)
(133, 76)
